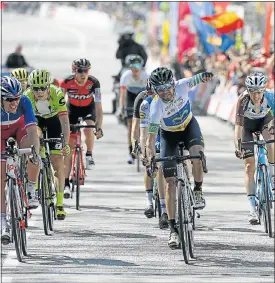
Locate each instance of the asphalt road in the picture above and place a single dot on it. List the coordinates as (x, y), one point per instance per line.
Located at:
(110, 239)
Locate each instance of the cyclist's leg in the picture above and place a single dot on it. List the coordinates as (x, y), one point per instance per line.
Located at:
(168, 147)
(268, 121)
(130, 99)
(249, 168)
(32, 169)
(148, 183)
(89, 116)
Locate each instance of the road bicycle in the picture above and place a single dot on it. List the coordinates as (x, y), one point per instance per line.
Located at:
(264, 195)
(185, 218)
(78, 169)
(16, 198)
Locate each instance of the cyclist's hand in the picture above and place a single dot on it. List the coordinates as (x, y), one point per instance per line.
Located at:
(145, 162)
(238, 153)
(66, 150)
(99, 133)
(207, 76)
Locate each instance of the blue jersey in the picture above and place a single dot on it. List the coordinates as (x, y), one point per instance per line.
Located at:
(24, 109)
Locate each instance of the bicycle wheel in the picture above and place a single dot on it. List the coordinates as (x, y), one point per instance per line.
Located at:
(267, 210)
(24, 217)
(138, 162)
(49, 197)
(191, 222)
(43, 200)
(23, 189)
(15, 223)
(77, 178)
(183, 221)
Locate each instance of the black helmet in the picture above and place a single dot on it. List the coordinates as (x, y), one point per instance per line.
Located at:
(161, 76)
(81, 64)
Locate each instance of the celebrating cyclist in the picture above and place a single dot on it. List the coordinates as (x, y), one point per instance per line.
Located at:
(84, 101)
(48, 103)
(18, 121)
(132, 82)
(254, 113)
(22, 75)
(171, 110)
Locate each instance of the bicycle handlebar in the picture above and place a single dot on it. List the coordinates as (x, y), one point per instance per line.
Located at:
(179, 159)
(258, 142)
(77, 126)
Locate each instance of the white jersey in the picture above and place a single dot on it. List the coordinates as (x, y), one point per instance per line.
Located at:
(175, 115)
(128, 82)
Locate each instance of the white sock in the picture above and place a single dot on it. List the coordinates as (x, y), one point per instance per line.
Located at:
(252, 202)
(30, 187)
(149, 195)
(162, 206)
(3, 220)
(272, 174)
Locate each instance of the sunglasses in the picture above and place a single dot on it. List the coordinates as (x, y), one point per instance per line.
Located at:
(256, 90)
(82, 71)
(9, 99)
(162, 87)
(41, 88)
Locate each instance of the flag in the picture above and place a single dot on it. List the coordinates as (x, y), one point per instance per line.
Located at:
(224, 22)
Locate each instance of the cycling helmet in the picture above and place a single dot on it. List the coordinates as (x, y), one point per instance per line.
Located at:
(81, 63)
(20, 73)
(39, 78)
(10, 87)
(256, 80)
(134, 61)
(161, 76)
(127, 32)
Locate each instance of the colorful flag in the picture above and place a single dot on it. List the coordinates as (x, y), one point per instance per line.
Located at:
(224, 22)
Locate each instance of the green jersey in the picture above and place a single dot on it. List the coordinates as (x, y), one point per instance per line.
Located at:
(55, 105)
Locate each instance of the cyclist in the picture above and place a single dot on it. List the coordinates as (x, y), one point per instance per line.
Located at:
(22, 75)
(255, 112)
(84, 101)
(132, 82)
(18, 121)
(171, 110)
(144, 121)
(48, 103)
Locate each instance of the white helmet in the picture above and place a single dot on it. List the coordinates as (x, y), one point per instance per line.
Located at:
(256, 80)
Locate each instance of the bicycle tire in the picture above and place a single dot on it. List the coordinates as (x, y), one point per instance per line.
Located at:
(191, 224)
(77, 178)
(158, 205)
(15, 224)
(24, 223)
(138, 162)
(183, 229)
(44, 207)
(23, 177)
(267, 210)
(50, 201)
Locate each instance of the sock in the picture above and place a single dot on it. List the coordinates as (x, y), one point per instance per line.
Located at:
(198, 186)
(172, 225)
(89, 153)
(272, 174)
(149, 195)
(31, 186)
(252, 201)
(67, 183)
(59, 198)
(3, 220)
(130, 149)
(162, 206)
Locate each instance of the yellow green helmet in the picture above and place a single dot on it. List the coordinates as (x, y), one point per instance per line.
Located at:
(39, 78)
(20, 73)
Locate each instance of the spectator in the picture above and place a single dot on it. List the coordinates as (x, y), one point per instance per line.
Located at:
(16, 59)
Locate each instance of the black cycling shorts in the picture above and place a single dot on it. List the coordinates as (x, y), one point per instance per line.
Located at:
(251, 126)
(130, 100)
(169, 144)
(54, 130)
(85, 112)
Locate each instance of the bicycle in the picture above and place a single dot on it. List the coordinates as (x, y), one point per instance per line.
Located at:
(16, 198)
(185, 199)
(78, 169)
(264, 195)
(46, 184)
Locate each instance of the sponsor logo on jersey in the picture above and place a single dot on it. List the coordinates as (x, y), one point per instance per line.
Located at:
(80, 96)
(89, 87)
(142, 115)
(144, 107)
